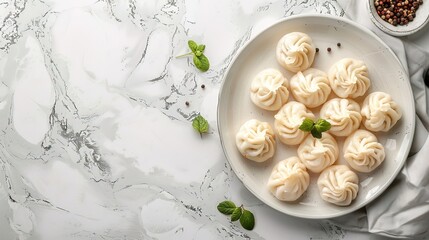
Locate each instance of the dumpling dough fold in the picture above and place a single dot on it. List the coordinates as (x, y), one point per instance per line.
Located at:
(318, 154)
(349, 78)
(269, 90)
(380, 112)
(343, 115)
(338, 185)
(295, 51)
(288, 180)
(256, 140)
(362, 151)
(310, 87)
(288, 120)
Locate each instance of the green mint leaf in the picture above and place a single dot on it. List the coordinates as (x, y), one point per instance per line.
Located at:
(192, 45)
(316, 133)
(202, 62)
(236, 214)
(306, 125)
(247, 220)
(201, 47)
(226, 207)
(200, 124)
(197, 61)
(205, 62)
(322, 125)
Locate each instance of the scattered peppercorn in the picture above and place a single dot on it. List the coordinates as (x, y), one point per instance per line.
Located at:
(397, 12)
(203, 86)
(317, 49)
(329, 49)
(187, 103)
(339, 44)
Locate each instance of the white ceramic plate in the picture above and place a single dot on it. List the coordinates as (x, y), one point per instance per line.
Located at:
(235, 107)
(421, 19)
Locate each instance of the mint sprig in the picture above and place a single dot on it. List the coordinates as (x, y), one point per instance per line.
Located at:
(200, 124)
(200, 60)
(247, 220)
(315, 128)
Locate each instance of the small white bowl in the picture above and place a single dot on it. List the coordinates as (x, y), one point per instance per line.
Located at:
(421, 19)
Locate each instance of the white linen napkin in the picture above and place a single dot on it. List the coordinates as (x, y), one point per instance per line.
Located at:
(402, 211)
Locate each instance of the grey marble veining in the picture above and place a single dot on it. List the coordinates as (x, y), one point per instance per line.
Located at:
(96, 140)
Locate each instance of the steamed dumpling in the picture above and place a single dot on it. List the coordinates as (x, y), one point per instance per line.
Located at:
(269, 90)
(310, 87)
(380, 112)
(288, 120)
(318, 154)
(338, 185)
(343, 115)
(349, 78)
(256, 141)
(295, 51)
(363, 152)
(288, 180)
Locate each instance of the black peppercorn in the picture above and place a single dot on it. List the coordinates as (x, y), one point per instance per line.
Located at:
(203, 86)
(187, 103)
(317, 49)
(339, 44)
(329, 49)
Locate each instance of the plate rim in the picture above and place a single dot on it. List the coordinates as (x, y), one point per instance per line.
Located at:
(334, 18)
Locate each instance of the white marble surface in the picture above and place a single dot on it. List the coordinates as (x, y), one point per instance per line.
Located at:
(96, 140)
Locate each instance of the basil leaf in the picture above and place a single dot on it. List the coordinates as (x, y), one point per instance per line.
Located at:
(192, 45)
(200, 124)
(201, 47)
(247, 220)
(322, 125)
(226, 207)
(197, 61)
(306, 125)
(236, 214)
(316, 133)
(202, 62)
(205, 61)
